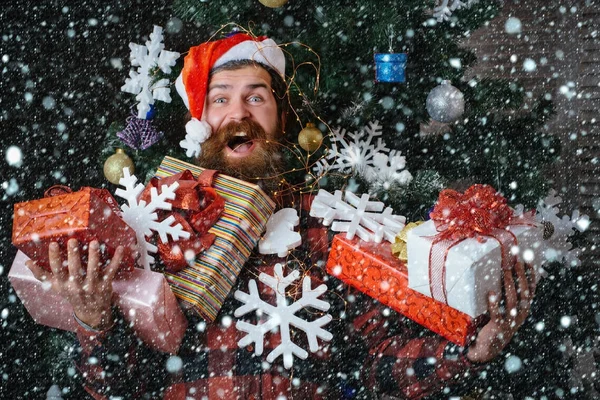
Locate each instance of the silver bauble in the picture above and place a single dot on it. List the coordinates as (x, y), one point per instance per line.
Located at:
(445, 103)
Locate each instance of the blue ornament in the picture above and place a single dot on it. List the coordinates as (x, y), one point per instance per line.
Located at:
(389, 67)
(151, 112)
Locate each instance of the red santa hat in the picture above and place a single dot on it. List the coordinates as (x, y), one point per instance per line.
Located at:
(192, 83)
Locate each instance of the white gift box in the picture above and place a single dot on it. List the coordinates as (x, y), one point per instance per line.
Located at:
(473, 268)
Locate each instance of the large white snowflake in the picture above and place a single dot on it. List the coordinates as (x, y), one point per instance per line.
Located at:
(365, 217)
(365, 153)
(140, 82)
(444, 11)
(557, 246)
(143, 219)
(282, 315)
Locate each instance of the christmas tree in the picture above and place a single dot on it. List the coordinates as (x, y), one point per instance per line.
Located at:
(433, 128)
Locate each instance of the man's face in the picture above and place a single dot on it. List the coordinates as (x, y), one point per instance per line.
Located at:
(241, 109)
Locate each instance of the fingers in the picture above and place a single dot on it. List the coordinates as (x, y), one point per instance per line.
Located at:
(74, 258)
(93, 266)
(114, 264)
(531, 273)
(40, 274)
(524, 292)
(510, 293)
(494, 307)
(56, 262)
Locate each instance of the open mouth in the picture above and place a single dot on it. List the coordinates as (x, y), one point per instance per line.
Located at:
(240, 145)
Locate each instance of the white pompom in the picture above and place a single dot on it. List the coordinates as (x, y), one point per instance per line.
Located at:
(197, 133)
(198, 130)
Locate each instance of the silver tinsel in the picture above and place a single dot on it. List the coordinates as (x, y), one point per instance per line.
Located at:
(445, 103)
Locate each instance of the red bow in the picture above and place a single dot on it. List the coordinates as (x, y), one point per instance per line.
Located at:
(197, 208)
(479, 211)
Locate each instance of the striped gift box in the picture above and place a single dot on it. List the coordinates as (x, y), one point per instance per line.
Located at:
(204, 286)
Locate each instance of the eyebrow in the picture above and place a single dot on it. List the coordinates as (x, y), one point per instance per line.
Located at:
(225, 86)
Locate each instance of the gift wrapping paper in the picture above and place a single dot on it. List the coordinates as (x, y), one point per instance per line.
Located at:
(204, 285)
(88, 214)
(372, 269)
(144, 298)
(472, 266)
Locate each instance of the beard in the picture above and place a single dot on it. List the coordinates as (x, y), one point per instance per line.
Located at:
(263, 166)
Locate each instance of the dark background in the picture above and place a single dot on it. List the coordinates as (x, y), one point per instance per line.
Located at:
(62, 65)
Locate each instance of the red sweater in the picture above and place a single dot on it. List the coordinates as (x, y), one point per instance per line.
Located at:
(374, 351)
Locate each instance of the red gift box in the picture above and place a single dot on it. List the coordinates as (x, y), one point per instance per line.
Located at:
(144, 298)
(86, 215)
(372, 269)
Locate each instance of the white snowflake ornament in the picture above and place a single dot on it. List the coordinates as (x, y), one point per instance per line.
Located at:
(365, 217)
(355, 154)
(146, 58)
(444, 11)
(366, 154)
(388, 168)
(282, 315)
(280, 236)
(143, 219)
(556, 246)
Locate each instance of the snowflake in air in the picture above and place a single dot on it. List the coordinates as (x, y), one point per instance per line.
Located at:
(282, 315)
(365, 218)
(557, 246)
(365, 153)
(140, 82)
(143, 219)
(444, 11)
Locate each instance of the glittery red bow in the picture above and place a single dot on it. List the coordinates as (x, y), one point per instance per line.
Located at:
(478, 211)
(197, 207)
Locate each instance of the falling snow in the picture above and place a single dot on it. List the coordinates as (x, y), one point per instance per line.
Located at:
(62, 65)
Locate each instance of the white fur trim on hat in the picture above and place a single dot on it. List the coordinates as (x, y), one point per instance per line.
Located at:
(266, 52)
(197, 133)
(181, 91)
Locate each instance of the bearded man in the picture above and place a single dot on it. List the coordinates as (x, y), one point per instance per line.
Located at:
(236, 94)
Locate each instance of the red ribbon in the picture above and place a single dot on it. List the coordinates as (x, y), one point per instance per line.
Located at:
(197, 207)
(479, 211)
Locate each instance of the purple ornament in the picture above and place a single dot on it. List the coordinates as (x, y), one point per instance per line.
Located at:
(139, 134)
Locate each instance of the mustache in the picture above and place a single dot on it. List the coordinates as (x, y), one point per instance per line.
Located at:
(252, 130)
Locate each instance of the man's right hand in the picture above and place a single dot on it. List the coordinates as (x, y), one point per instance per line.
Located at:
(90, 294)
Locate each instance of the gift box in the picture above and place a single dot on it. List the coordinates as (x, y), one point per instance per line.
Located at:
(389, 67)
(88, 214)
(372, 269)
(458, 256)
(144, 298)
(472, 267)
(204, 285)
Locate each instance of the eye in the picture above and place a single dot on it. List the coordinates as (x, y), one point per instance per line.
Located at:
(255, 99)
(219, 100)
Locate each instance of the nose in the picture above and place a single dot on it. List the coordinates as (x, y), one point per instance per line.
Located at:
(239, 110)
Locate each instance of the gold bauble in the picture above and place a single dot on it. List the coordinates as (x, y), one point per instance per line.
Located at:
(310, 138)
(273, 3)
(113, 166)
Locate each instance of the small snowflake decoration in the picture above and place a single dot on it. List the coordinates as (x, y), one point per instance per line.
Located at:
(366, 154)
(389, 169)
(146, 58)
(143, 219)
(282, 315)
(557, 247)
(365, 217)
(444, 11)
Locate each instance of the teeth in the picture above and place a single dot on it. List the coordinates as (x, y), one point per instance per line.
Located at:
(242, 134)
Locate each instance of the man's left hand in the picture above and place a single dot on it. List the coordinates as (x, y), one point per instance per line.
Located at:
(497, 333)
